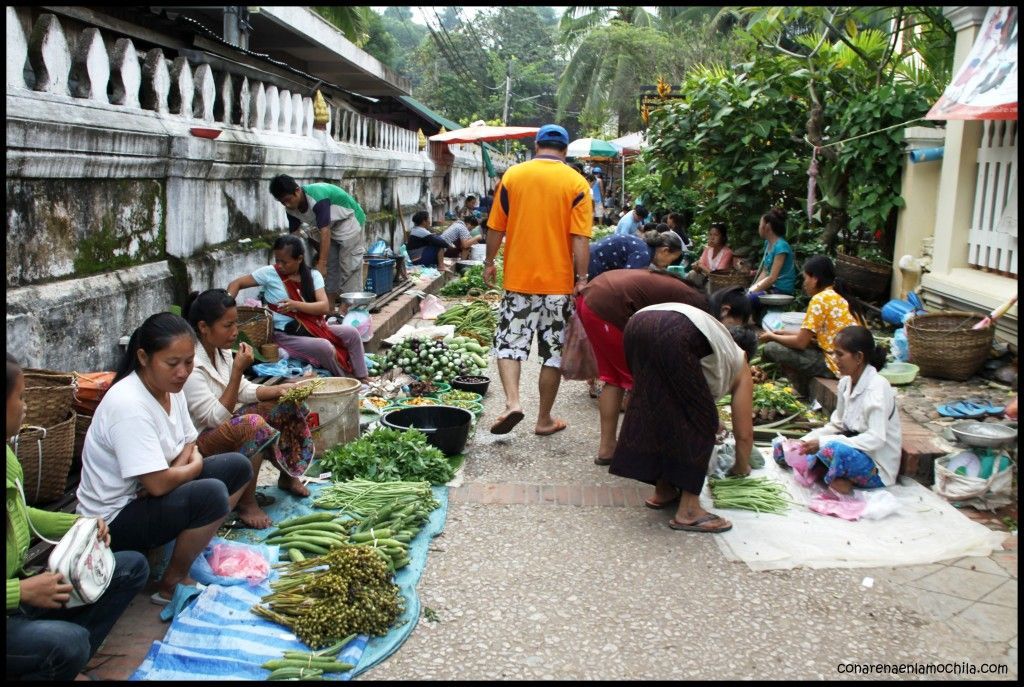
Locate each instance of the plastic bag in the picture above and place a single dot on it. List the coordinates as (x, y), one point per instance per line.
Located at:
(986, 494)
(361, 320)
(723, 458)
(431, 307)
(227, 563)
(873, 504)
(800, 462)
(578, 361)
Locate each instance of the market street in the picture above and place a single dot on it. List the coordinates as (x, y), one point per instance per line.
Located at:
(524, 587)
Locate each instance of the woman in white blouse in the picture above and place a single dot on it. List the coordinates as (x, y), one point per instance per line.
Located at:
(860, 445)
(233, 414)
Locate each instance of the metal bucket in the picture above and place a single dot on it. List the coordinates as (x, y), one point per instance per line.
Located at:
(337, 405)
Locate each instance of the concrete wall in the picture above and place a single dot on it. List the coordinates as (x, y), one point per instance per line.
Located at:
(115, 210)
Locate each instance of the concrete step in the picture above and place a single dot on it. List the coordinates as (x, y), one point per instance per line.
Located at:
(399, 311)
(920, 445)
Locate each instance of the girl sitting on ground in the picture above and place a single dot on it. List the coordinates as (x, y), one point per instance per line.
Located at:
(808, 353)
(860, 445)
(295, 293)
(141, 469)
(424, 246)
(45, 640)
(233, 414)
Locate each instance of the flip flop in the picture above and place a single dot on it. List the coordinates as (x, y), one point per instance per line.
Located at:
(661, 505)
(694, 526)
(264, 500)
(505, 424)
(988, 408)
(602, 461)
(159, 600)
(559, 426)
(960, 410)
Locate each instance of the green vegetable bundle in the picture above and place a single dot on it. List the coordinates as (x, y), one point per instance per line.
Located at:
(471, 280)
(475, 320)
(322, 600)
(758, 494)
(438, 360)
(388, 455)
(309, 665)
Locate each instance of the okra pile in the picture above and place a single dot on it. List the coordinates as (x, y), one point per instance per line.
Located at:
(324, 599)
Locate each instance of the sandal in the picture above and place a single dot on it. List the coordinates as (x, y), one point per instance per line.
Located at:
(695, 525)
(264, 500)
(661, 505)
(506, 424)
(961, 410)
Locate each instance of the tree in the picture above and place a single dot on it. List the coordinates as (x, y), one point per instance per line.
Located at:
(351, 20)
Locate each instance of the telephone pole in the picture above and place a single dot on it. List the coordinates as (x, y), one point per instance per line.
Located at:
(508, 96)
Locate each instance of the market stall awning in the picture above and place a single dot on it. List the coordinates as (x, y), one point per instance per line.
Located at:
(986, 85)
(631, 143)
(483, 132)
(592, 147)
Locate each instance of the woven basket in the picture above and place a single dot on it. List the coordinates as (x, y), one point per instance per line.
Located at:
(48, 396)
(255, 323)
(82, 423)
(724, 280)
(866, 279)
(45, 455)
(943, 344)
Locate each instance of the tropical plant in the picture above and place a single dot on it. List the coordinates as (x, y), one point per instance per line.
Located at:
(351, 20)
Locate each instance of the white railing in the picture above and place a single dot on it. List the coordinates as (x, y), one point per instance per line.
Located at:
(989, 248)
(150, 81)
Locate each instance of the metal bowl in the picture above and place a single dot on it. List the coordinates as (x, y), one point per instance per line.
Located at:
(986, 434)
(357, 298)
(776, 299)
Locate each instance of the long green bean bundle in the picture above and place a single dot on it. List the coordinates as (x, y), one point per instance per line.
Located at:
(365, 496)
(758, 494)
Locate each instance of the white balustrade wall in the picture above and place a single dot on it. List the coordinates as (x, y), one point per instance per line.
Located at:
(988, 247)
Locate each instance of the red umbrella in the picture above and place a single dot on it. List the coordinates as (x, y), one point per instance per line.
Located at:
(483, 133)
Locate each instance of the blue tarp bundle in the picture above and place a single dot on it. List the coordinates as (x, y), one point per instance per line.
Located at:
(219, 638)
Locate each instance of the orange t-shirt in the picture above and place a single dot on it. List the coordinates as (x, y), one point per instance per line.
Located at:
(539, 205)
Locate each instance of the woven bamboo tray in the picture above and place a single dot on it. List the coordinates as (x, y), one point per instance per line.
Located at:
(45, 455)
(943, 344)
(255, 323)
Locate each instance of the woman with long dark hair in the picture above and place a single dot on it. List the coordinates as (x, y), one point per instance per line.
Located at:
(233, 414)
(716, 255)
(141, 469)
(808, 353)
(777, 273)
(296, 295)
(861, 444)
(46, 640)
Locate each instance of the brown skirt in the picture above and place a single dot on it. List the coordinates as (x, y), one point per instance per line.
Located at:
(668, 432)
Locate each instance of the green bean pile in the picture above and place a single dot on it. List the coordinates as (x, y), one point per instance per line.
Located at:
(758, 494)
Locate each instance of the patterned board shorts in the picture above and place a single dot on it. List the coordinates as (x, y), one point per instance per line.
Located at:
(520, 315)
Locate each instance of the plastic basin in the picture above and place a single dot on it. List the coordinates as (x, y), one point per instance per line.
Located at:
(446, 427)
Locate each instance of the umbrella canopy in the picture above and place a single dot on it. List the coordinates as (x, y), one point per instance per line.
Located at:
(482, 133)
(630, 143)
(592, 147)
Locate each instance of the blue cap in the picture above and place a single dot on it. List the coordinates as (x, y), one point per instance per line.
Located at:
(552, 133)
(597, 170)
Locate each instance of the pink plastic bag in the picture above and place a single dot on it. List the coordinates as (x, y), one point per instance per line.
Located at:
(238, 561)
(431, 307)
(799, 462)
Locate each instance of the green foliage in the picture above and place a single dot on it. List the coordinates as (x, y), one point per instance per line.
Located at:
(727, 152)
(388, 455)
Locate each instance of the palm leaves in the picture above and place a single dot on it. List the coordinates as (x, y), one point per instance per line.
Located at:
(351, 20)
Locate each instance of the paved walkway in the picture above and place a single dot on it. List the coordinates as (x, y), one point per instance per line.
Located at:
(550, 568)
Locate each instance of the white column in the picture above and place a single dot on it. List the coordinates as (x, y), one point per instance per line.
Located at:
(90, 66)
(17, 51)
(49, 55)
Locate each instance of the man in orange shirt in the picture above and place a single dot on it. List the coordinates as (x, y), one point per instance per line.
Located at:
(542, 210)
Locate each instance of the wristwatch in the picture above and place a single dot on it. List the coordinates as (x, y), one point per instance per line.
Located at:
(488, 262)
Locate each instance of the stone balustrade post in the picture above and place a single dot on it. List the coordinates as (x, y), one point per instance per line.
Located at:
(243, 97)
(204, 94)
(17, 51)
(90, 66)
(286, 111)
(126, 75)
(224, 105)
(298, 115)
(156, 82)
(258, 108)
(273, 108)
(49, 55)
(179, 100)
(307, 117)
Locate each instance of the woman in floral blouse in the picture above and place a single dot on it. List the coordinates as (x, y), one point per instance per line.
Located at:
(809, 352)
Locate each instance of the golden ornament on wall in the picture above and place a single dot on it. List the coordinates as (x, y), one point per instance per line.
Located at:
(645, 113)
(664, 88)
(422, 139)
(320, 113)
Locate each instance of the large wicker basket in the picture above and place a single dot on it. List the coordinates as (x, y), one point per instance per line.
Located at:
(866, 279)
(82, 423)
(45, 455)
(724, 279)
(48, 396)
(255, 323)
(943, 344)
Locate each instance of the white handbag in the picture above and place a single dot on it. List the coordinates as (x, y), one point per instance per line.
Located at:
(85, 562)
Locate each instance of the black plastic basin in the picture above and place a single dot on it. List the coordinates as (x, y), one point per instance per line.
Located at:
(446, 427)
(462, 384)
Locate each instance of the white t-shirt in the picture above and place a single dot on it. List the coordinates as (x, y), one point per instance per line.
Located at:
(130, 435)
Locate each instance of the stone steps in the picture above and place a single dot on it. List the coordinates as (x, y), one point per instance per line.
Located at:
(920, 446)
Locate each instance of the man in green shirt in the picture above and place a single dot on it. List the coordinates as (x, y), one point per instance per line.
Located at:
(338, 220)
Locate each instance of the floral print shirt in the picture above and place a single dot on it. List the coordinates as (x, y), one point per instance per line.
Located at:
(827, 314)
